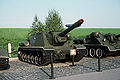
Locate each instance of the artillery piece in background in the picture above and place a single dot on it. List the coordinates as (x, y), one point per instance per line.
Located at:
(100, 44)
(4, 59)
(43, 43)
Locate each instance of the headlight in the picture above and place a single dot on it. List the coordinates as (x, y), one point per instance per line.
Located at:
(68, 35)
(104, 40)
(26, 43)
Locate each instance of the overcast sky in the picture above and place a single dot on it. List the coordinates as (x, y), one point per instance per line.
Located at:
(96, 13)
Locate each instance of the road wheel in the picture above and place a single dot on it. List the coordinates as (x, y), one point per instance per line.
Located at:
(39, 60)
(92, 52)
(36, 60)
(29, 60)
(86, 54)
(32, 59)
(22, 57)
(80, 55)
(99, 53)
(25, 57)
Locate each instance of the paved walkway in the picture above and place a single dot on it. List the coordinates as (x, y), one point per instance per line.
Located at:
(113, 74)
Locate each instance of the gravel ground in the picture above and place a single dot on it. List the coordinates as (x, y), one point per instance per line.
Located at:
(24, 71)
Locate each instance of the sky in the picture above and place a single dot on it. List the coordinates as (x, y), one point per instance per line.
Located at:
(96, 13)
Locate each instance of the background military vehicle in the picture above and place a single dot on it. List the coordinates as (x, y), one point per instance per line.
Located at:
(43, 43)
(103, 44)
(4, 59)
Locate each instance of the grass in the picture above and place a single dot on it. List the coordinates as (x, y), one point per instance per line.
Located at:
(13, 36)
(16, 35)
(82, 32)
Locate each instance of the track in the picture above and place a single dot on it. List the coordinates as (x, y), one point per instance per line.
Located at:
(25, 71)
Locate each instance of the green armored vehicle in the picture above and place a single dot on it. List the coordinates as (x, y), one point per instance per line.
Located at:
(4, 59)
(43, 43)
(100, 44)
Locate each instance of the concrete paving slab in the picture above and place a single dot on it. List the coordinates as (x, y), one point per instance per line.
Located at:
(113, 74)
(13, 59)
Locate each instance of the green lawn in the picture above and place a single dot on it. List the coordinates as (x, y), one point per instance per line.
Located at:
(82, 32)
(16, 35)
(13, 36)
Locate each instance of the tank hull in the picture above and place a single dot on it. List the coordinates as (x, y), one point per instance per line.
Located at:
(41, 56)
(4, 63)
(103, 44)
(4, 59)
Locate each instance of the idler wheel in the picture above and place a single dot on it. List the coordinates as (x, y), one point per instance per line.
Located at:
(99, 53)
(36, 60)
(20, 55)
(92, 52)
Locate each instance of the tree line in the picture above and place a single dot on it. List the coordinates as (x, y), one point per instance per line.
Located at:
(53, 22)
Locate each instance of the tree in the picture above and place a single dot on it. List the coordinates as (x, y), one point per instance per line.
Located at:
(53, 21)
(37, 26)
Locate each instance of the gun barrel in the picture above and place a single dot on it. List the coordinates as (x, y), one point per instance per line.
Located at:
(76, 24)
